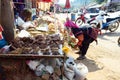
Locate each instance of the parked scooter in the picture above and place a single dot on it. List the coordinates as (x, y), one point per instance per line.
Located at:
(111, 24)
(82, 19)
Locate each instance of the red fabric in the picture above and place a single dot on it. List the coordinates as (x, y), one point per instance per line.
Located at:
(1, 37)
(80, 39)
(46, 0)
(94, 33)
(70, 24)
(83, 18)
(67, 4)
(1, 29)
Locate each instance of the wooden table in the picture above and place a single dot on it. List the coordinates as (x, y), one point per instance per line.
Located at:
(24, 57)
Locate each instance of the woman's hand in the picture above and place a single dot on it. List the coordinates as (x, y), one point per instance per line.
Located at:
(75, 46)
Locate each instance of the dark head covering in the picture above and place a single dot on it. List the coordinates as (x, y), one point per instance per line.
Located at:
(76, 31)
(92, 32)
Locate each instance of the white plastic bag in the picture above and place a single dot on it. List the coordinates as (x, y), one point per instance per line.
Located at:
(69, 68)
(40, 70)
(69, 74)
(32, 64)
(49, 69)
(20, 21)
(26, 25)
(80, 71)
(24, 33)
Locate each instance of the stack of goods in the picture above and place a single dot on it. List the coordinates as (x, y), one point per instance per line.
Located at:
(40, 44)
(45, 68)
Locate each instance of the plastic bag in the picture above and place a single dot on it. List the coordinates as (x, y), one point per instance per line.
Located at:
(24, 33)
(5, 49)
(19, 21)
(80, 71)
(69, 68)
(32, 64)
(26, 25)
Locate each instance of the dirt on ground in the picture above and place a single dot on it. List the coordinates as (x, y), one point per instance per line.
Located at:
(103, 60)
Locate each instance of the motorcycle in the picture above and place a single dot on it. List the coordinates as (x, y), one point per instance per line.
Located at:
(111, 24)
(82, 19)
(79, 21)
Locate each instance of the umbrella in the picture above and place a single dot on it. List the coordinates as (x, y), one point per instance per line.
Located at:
(67, 4)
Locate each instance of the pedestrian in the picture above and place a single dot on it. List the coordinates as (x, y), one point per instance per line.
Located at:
(85, 36)
(101, 17)
(52, 7)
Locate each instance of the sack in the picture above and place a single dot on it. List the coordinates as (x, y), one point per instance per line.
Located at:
(69, 68)
(19, 21)
(81, 71)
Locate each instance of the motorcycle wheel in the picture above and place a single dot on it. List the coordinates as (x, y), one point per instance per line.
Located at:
(93, 25)
(119, 40)
(79, 22)
(114, 26)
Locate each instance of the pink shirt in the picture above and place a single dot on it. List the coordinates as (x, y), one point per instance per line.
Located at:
(1, 29)
(70, 24)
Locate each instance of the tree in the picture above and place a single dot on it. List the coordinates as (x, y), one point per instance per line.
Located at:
(7, 19)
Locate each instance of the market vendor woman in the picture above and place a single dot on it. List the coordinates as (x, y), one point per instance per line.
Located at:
(85, 36)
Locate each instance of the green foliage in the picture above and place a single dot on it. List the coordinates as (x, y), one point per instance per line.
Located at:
(72, 44)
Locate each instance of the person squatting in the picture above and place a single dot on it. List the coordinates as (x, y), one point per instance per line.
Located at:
(85, 36)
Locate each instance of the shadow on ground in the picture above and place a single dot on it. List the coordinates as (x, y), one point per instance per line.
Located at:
(110, 34)
(91, 64)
